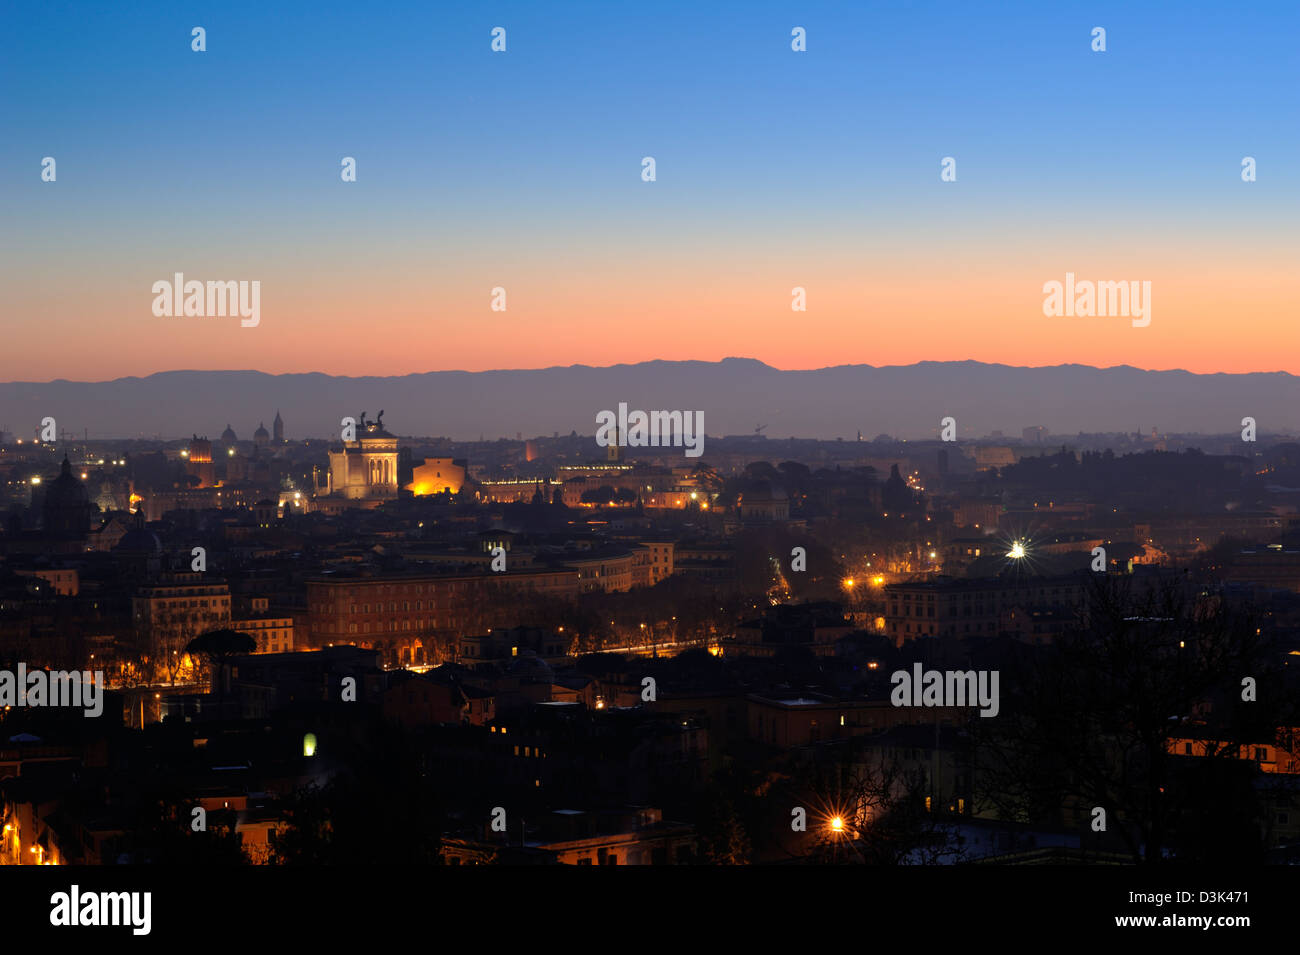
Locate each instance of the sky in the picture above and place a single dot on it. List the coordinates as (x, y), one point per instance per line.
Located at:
(523, 170)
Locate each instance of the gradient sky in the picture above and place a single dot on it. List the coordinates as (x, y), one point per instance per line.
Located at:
(522, 170)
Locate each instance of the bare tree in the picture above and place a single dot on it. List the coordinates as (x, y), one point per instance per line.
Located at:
(1089, 723)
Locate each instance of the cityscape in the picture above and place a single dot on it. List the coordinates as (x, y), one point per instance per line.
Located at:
(545, 651)
(705, 441)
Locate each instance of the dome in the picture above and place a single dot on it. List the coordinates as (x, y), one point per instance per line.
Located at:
(228, 436)
(65, 490)
(138, 540)
(261, 431)
(762, 492)
(66, 509)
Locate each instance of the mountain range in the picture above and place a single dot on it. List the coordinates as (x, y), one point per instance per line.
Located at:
(736, 395)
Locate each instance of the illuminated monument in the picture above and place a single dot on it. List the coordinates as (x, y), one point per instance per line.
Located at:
(365, 469)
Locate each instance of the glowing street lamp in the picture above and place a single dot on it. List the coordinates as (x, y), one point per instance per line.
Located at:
(1017, 551)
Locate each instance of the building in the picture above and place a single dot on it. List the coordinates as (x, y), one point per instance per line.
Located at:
(765, 504)
(168, 614)
(812, 626)
(273, 632)
(637, 836)
(424, 699)
(198, 462)
(980, 606)
(438, 476)
(991, 457)
(364, 469)
(503, 645)
(406, 617)
(652, 562)
(66, 509)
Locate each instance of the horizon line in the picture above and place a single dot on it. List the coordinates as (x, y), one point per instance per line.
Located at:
(649, 361)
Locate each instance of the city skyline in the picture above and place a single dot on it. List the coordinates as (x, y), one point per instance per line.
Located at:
(735, 395)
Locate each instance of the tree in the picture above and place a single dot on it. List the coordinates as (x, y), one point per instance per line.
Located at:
(218, 647)
(1089, 723)
(723, 840)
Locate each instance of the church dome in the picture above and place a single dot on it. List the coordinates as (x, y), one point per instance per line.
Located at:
(761, 493)
(66, 508)
(261, 432)
(228, 436)
(139, 539)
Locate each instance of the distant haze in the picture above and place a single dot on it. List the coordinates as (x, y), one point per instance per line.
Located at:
(735, 394)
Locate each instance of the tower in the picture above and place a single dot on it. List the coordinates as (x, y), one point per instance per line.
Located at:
(277, 427)
(614, 453)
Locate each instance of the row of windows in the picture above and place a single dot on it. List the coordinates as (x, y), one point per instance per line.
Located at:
(1015, 594)
(191, 602)
(977, 610)
(392, 606)
(407, 625)
(402, 589)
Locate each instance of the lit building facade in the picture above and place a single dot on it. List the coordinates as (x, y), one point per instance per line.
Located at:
(365, 469)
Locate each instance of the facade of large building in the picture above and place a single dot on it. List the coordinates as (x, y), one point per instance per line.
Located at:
(406, 616)
(956, 607)
(437, 476)
(170, 613)
(364, 469)
(273, 632)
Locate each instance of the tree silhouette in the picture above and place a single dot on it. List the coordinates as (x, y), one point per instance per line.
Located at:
(1090, 722)
(218, 647)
